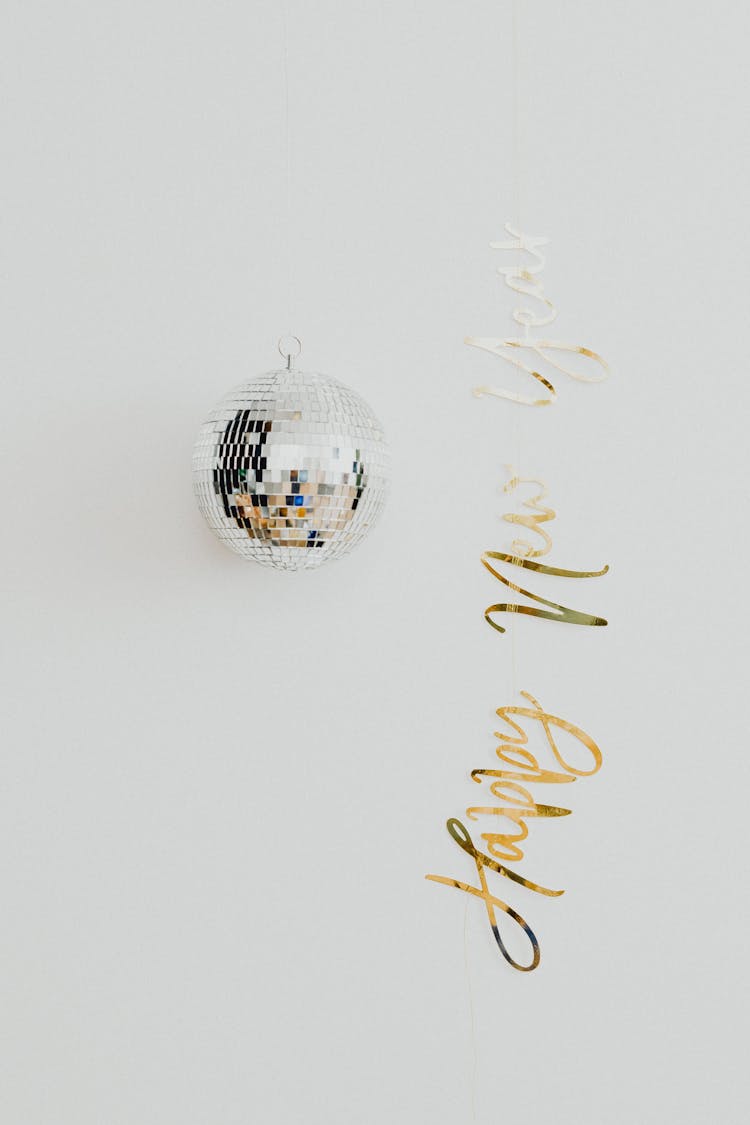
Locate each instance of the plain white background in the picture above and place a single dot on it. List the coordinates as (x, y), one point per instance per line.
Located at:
(222, 786)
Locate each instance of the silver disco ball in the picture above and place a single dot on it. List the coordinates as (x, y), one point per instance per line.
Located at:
(291, 469)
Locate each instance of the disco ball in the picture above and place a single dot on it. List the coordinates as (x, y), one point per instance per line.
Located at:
(291, 469)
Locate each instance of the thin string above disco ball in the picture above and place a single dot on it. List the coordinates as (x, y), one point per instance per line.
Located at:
(291, 469)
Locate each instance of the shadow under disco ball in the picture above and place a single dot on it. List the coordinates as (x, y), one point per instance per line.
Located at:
(291, 469)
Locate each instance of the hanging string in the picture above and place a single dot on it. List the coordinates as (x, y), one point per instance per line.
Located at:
(288, 146)
(515, 419)
(516, 123)
(515, 454)
(471, 1015)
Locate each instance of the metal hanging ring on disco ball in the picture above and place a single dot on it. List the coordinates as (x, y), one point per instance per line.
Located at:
(291, 469)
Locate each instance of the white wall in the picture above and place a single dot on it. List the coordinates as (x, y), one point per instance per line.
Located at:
(222, 787)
